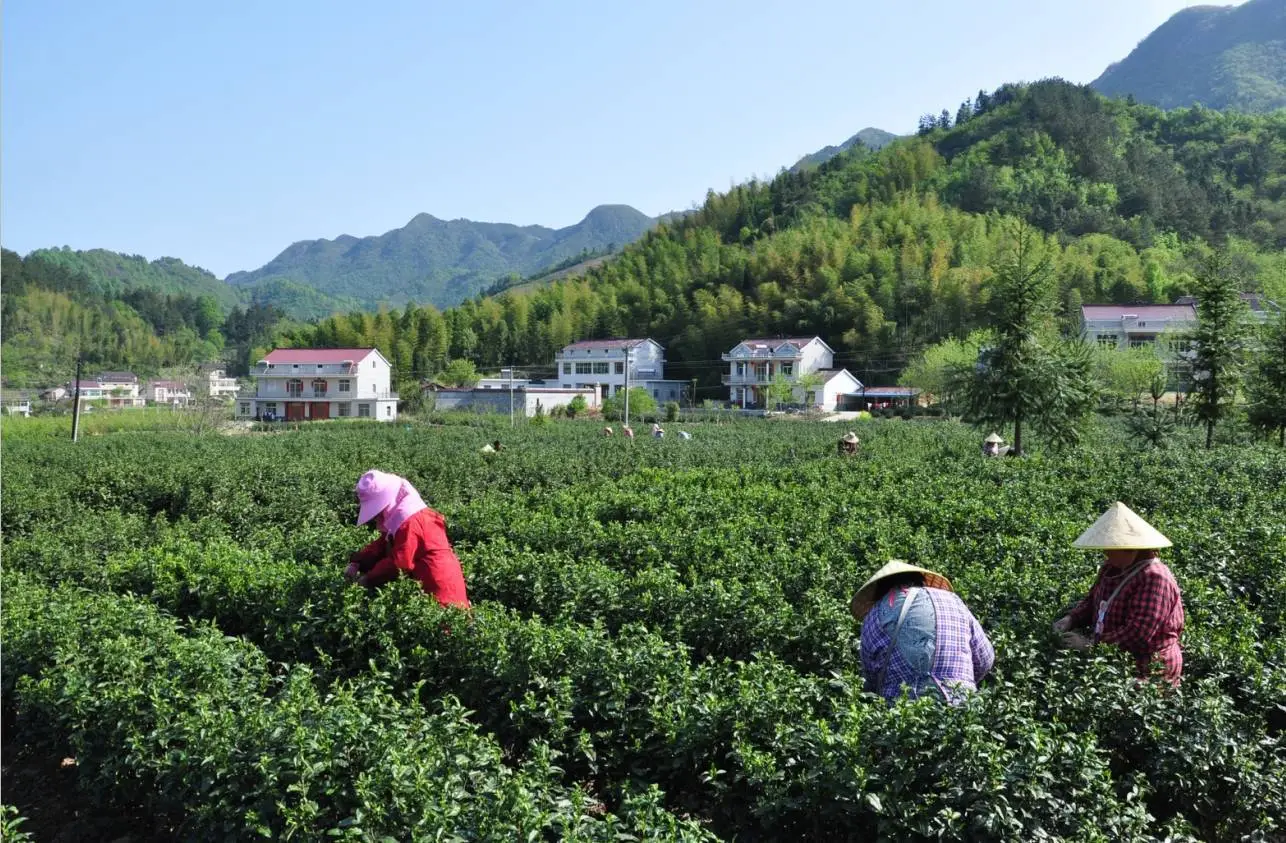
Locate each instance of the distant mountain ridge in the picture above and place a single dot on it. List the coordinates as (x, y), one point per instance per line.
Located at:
(441, 262)
(1222, 57)
(869, 137)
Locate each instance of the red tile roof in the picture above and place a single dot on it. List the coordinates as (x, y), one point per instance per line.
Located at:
(326, 356)
(1184, 312)
(798, 342)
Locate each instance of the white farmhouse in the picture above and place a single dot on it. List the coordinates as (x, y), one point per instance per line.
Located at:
(755, 363)
(222, 386)
(302, 384)
(174, 393)
(121, 389)
(1135, 325)
(602, 365)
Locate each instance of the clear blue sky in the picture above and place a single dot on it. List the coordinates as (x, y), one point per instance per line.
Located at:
(221, 132)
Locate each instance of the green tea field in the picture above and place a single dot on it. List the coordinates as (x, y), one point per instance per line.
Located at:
(660, 646)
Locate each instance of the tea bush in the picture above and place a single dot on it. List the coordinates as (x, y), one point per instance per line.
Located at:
(662, 624)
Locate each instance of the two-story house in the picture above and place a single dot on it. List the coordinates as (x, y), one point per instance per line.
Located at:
(605, 365)
(301, 384)
(221, 386)
(1135, 325)
(121, 389)
(174, 393)
(754, 364)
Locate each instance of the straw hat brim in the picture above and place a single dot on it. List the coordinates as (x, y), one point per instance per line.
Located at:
(864, 600)
(849, 437)
(994, 438)
(1120, 528)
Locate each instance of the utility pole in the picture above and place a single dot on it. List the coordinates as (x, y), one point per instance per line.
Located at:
(75, 402)
(511, 396)
(627, 386)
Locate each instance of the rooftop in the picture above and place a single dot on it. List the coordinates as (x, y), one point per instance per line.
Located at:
(774, 342)
(605, 345)
(279, 356)
(1098, 312)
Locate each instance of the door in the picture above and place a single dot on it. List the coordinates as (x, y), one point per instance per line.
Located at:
(321, 410)
(294, 411)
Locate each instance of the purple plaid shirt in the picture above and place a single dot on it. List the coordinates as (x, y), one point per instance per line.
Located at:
(939, 622)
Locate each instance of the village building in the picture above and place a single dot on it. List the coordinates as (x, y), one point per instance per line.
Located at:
(311, 384)
(755, 364)
(219, 385)
(1136, 325)
(606, 365)
(526, 399)
(120, 390)
(16, 402)
(174, 393)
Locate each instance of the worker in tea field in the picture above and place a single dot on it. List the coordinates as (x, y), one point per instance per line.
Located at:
(848, 444)
(918, 633)
(607, 431)
(1135, 603)
(994, 446)
(657, 431)
(413, 538)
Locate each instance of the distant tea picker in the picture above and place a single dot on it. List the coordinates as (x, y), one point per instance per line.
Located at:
(1135, 603)
(413, 539)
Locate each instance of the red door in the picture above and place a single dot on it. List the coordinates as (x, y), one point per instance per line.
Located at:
(321, 410)
(294, 411)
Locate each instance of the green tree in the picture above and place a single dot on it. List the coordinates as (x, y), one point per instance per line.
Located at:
(1221, 338)
(1266, 386)
(1025, 376)
(642, 404)
(1128, 374)
(576, 406)
(459, 373)
(931, 372)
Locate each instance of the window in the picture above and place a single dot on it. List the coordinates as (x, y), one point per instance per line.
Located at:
(364, 411)
(372, 364)
(584, 368)
(656, 393)
(787, 369)
(271, 366)
(294, 387)
(319, 367)
(345, 410)
(245, 408)
(567, 368)
(620, 368)
(1107, 339)
(270, 407)
(672, 394)
(295, 366)
(388, 410)
(600, 368)
(345, 385)
(319, 388)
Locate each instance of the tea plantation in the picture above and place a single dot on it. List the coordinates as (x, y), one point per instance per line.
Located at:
(660, 646)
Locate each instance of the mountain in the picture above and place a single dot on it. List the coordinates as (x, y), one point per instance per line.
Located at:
(1222, 57)
(113, 274)
(869, 137)
(439, 262)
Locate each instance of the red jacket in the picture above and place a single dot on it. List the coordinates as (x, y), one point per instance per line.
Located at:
(419, 547)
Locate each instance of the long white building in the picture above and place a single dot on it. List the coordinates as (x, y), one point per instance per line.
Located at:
(602, 365)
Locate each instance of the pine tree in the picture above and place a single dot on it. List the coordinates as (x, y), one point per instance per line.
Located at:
(1220, 337)
(1266, 386)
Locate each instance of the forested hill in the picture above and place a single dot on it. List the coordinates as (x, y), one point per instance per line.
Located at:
(1223, 57)
(870, 137)
(113, 274)
(882, 253)
(441, 262)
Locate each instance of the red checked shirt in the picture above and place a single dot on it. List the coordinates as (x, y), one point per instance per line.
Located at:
(421, 549)
(1145, 618)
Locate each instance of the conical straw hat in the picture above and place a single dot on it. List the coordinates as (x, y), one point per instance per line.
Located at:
(865, 597)
(850, 438)
(995, 438)
(1120, 528)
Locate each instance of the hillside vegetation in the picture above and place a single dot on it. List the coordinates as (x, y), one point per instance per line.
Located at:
(439, 262)
(1222, 57)
(884, 253)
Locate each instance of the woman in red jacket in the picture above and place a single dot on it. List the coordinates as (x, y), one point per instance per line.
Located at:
(413, 539)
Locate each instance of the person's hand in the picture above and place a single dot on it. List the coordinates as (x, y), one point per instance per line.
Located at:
(1063, 624)
(1076, 641)
(352, 572)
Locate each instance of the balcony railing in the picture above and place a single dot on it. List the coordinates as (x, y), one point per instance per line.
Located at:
(752, 379)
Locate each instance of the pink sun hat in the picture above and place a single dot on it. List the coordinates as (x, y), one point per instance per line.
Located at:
(376, 492)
